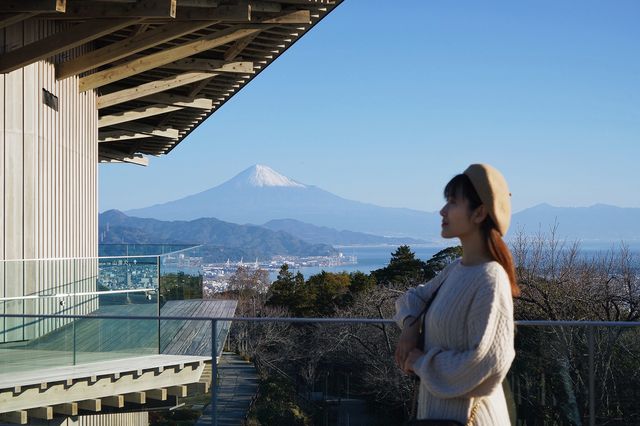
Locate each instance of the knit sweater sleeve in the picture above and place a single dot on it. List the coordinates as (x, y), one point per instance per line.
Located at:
(478, 370)
(413, 301)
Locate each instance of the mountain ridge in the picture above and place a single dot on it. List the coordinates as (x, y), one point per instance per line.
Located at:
(259, 194)
(245, 240)
(239, 201)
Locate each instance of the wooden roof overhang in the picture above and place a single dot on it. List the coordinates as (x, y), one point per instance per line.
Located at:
(159, 67)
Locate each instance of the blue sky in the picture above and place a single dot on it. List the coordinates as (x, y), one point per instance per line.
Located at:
(383, 102)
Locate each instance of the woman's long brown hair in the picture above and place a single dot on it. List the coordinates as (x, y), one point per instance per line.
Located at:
(498, 250)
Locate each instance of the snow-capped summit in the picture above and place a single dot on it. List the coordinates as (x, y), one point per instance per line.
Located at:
(261, 176)
(259, 194)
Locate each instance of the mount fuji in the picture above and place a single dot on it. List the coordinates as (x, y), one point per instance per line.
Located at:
(260, 194)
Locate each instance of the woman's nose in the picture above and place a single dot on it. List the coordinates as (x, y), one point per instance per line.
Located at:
(442, 211)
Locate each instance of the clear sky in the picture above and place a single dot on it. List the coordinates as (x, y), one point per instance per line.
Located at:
(383, 102)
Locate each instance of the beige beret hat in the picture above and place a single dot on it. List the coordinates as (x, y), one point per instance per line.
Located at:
(492, 189)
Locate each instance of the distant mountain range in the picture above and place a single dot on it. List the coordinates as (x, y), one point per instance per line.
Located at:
(599, 222)
(228, 240)
(261, 195)
(324, 235)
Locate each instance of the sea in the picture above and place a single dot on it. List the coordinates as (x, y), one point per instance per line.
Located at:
(371, 258)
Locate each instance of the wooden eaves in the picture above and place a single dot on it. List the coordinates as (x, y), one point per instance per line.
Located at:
(160, 67)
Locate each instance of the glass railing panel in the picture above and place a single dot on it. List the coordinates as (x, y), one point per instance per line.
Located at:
(30, 343)
(569, 374)
(181, 275)
(99, 339)
(344, 373)
(544, 376)
(616, 363)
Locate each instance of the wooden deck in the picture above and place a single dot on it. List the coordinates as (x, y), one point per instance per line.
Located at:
(91, 386)
(109, 339)
(96, 369)
(194, 337)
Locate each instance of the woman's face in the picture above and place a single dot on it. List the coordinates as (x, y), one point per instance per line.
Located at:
(457, 219)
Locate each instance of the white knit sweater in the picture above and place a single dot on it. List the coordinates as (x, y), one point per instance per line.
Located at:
(468, 344)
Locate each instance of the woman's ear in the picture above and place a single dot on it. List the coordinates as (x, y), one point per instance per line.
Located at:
(479, 214)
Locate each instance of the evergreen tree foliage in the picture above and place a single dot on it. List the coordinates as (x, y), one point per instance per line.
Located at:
(440, 260)
(321, 295)
(403, 269)
(180, 286)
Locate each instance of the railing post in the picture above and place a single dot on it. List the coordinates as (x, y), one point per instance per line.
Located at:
(592, 379)
(214, 372)
(74, 340)
(158, 305)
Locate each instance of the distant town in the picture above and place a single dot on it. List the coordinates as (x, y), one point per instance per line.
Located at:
(136, 273)
(216, 275)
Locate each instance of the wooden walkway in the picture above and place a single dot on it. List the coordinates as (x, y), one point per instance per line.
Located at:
(91, 340)
(194, 337)
(237, 387)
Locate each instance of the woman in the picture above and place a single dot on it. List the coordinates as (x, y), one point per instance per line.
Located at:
(468, 342)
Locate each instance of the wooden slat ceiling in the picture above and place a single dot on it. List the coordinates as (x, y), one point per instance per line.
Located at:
(160, 67)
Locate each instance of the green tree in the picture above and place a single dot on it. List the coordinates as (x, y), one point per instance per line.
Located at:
(275, 405)
(288, 291)
(440, 260)
(361, 282)
(180, 286)
(403, 269)
(330, 291)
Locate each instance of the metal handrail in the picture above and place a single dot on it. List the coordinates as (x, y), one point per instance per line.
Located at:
(85, 293)
(546, 323)
(214, 321)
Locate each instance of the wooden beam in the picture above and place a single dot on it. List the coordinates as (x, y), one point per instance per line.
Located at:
(45, 413)
(240, 12)
(138, 161)
(120, 136)
(197, 388)
(18, 417)
(197, 64)
(265, 6)
(138, 9)
(179, 391)
(181, 101)
(7, 20)
(159, 394)
(150, 88)
(199, 3)
(297, 17)
(128, 46)
(136, 397)
(90, 405)
(237, 47)
(116, 401)
(59, 42)
(164, 57)
(307, 2)
(118, 156)
(195, 91)
(37, 6)
(161, 132)
(136, 114)
(94, 405)
(69, 409)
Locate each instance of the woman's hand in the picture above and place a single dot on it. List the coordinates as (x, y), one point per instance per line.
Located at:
(407, 341)
(411, 359)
